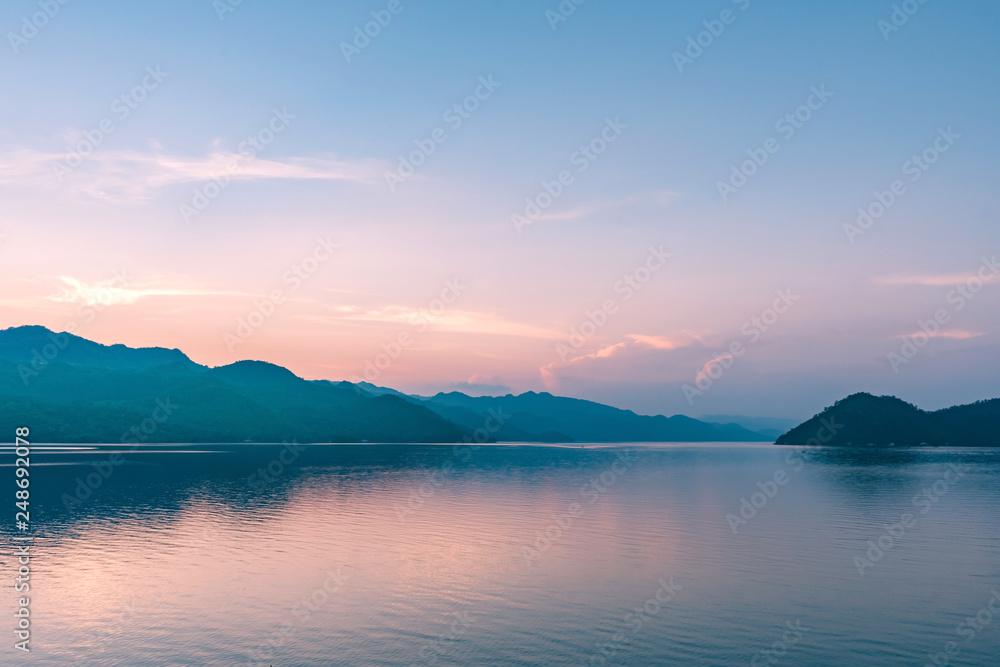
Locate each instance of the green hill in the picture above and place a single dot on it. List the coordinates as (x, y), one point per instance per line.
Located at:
(69, 389)
(863, 419)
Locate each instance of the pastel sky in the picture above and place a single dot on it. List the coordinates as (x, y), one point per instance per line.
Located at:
(661, 131)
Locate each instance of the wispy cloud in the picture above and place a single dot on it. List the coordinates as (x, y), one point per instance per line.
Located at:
(956, 334)
(480, 385)
(659, 198)
(115, 291)
(931, 280)
(135, 176)
(680, 339)
(702, 375)
(665, 197)
(633, 343)
(451, 321)
(583, 211)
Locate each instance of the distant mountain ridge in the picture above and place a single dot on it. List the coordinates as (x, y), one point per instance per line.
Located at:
(37, 346)
(556, 419)
(70, 389)
(770, 426)
(542, 417)
(863, 419)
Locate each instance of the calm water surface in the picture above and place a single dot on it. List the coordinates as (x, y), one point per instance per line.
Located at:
(428, 555)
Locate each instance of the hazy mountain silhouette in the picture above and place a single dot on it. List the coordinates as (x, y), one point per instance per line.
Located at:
(71, 403)
(863, 419)
(772, 427)
(542, 417)
(69, 389)
(38, 345)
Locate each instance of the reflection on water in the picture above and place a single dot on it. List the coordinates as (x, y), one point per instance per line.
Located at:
(437, 555)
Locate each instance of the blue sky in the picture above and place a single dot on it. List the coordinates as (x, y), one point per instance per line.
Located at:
(655, 185)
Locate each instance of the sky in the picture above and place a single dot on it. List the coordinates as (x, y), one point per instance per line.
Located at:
(729, 207)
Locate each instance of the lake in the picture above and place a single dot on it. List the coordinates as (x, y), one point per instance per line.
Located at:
(687, 554)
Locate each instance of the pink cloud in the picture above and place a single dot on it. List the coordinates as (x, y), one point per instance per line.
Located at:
(956, 334)
(703, 373)
(927, 280)
(634, 350)
(132, 177)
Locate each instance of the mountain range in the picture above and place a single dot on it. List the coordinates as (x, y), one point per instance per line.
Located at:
(863, 419)
(72, 390)
(69, 389)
